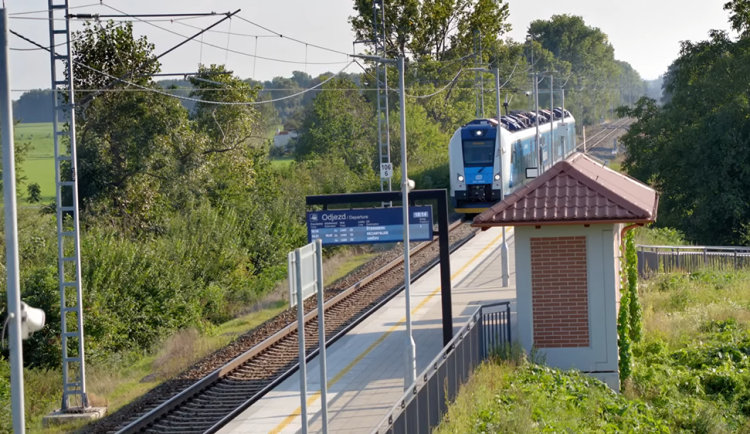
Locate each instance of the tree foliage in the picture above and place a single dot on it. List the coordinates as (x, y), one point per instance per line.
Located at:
(595, 74)
(695, 149)
(339, 124)
(435, 28)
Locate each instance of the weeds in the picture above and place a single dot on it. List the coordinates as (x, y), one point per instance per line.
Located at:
(691, 372)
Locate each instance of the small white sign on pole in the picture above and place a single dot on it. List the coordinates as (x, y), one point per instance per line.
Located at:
(305, 267)
(386, 170)
(305, 279)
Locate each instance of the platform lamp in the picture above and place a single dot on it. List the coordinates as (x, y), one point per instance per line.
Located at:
(505, 258)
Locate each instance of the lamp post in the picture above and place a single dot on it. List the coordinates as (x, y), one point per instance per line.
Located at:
(504, 257)
(535, 90)
(11, 235)
(410, 374)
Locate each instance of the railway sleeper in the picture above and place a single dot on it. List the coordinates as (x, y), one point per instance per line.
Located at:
(211, 403)
(242, 383)
(240, 387)
(190, 416)
(161, 429)
(222, 394)
(194, 423)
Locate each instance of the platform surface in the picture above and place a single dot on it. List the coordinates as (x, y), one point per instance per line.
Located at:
(366, 367)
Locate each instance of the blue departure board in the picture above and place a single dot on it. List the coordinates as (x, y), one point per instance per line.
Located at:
(369, 226)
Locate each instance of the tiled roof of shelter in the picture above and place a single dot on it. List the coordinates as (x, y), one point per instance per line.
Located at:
(575, 190)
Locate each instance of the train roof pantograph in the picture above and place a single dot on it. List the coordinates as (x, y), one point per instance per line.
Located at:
(574, 191)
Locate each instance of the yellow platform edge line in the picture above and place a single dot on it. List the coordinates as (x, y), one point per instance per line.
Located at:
(471, 210)
(296, 413)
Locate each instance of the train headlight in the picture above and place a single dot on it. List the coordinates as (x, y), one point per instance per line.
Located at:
(460, 178)
(497, 177)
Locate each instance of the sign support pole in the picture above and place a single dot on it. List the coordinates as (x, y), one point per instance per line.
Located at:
(301, 338)
(439, 195)
(321, 334)
(11, 235)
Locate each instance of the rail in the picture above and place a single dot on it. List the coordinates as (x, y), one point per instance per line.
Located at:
(607, 131)
(424, 404)
(667, 259)
(152, 420)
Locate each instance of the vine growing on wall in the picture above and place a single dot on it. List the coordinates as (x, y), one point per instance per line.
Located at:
(623, 329)
(636, 311)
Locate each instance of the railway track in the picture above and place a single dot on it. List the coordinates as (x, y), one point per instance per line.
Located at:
(607, 132)
(211, 402)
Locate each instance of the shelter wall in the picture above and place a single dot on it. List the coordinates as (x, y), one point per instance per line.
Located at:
(601, 272)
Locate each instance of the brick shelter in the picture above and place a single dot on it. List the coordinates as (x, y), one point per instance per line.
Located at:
(569, 224)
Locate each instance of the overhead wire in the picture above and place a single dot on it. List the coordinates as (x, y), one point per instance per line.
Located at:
(149, 20)
(224, 103)
(223, 32)
(227, 49)
(47, 10)
(440, 90)
(239, 17)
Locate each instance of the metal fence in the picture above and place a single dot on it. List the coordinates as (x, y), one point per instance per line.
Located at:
(658, 259)
(423, 405)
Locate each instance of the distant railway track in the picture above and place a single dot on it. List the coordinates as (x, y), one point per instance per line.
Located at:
(222, 393)
(608, 131)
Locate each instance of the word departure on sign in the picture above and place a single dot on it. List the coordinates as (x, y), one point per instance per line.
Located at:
(386, 170)
(369, 226)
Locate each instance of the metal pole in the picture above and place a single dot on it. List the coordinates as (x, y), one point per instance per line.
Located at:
(321, 335)
(504, 249)
(552, 119)
(538, 137)
(11, 236)
(445, 268)
(563, 105)
(411, 351)
(301, 336)
(584, 139)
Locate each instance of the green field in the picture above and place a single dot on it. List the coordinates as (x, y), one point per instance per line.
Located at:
(282, 161)
(39, 166)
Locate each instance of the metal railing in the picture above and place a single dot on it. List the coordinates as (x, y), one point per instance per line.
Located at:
(657, 259)
(424, 404)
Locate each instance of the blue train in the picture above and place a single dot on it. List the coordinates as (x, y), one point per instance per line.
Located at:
(477, 182)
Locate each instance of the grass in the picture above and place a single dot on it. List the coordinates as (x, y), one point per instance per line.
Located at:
(282, 161)
(659, 236)
(691, 372)
(115, 385)
(39, 166)
(347, 264)
(520, 398)
(129, 376)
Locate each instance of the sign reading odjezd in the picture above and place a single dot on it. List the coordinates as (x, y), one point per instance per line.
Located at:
(368, 226)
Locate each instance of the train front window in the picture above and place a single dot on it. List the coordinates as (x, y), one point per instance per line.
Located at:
(478, 152)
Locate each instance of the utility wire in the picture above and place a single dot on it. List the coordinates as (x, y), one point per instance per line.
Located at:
(224, 48)
(232, 33)
(440, 90)
(290, 38)
(225, 103)
(47, 10)
(93, 17)
(184, 89)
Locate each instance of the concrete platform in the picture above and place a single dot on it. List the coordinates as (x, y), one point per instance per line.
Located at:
(62, 418)
(366, 367)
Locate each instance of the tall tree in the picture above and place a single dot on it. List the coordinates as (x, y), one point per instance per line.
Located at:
(696, 148)
(339, 124)
(593, 85)
(433, 27)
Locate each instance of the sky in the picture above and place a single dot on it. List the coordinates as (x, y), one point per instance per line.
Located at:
(645, 33)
